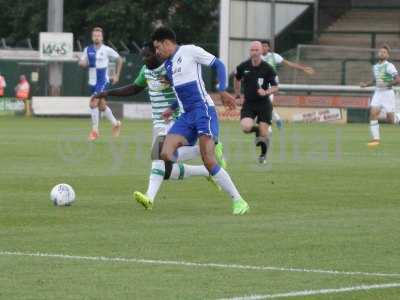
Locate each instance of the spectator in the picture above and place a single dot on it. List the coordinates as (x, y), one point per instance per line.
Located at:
(22, 89)
(2, 85)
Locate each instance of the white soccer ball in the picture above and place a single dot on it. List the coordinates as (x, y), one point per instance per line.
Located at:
(62, 195)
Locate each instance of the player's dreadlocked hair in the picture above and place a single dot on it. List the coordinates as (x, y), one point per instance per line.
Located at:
(163, 33)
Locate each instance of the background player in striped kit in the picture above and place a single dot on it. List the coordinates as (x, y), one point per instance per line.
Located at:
(385, 76)
(97, 57)
(274, 60)
(152, 76)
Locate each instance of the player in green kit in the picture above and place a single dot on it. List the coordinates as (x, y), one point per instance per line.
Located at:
(384, 98)
(152, 77)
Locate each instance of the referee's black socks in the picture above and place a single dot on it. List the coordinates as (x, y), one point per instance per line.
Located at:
(262, 142)
(256, 130)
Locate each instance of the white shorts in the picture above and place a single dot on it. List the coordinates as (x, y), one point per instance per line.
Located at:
(384, 99)
(161, 130)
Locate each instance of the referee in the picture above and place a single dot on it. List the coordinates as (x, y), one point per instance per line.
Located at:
(258, 83)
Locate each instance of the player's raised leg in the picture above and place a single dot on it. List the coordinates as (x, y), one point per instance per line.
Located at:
(116, 124)
(187, 153)
(171, 144)
(248, 126)
(261, 131)
(190, 152)
(94, 114)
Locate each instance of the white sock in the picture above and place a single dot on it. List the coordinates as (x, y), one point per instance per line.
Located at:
(225, 182)
(156, 178)
(94, 112)
(187, 152)
(182, 171)
(374, 127)
(275, 116)
(109, 115)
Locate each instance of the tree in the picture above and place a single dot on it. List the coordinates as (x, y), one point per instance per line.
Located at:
(126, 20)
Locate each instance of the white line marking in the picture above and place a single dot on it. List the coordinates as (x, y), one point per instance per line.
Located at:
(194, 264)
(317, 292)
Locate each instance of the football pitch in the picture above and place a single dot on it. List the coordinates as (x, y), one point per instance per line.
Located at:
(324, 220)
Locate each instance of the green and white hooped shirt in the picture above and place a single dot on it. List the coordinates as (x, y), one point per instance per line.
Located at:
(273, 59)
(384, 73)
(161, 94)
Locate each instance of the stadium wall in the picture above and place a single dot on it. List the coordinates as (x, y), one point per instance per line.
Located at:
(375, 3)
(309, 103)
(74, 78)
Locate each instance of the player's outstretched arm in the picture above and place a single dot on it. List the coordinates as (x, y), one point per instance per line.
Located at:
(227, 99)
(367, 84)
(127, 90)
(203, 57)
(306, 69)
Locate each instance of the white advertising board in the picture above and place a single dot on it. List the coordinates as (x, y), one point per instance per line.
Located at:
(60, 106)
(323, 115)
(56, 46)
(137, 111)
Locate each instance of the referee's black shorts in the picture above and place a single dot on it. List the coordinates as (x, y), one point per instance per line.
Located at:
(262, 111)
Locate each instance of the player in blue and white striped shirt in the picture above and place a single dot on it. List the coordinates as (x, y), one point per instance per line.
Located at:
(96, 58)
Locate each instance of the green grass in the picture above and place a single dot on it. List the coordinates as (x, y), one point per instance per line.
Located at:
(325, 201)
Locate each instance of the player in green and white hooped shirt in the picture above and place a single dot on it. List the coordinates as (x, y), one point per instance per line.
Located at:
(274, 60)
(152, 76)
(385, 76)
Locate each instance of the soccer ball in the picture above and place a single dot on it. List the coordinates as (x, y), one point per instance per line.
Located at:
(62, 195)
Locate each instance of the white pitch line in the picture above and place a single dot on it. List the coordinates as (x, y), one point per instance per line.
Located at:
(317, 292)
(194, 264)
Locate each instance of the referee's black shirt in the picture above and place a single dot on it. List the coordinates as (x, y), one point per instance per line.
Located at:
(255, 77)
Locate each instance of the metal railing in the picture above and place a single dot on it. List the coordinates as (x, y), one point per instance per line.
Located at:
(312, 54)
(372, 34)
